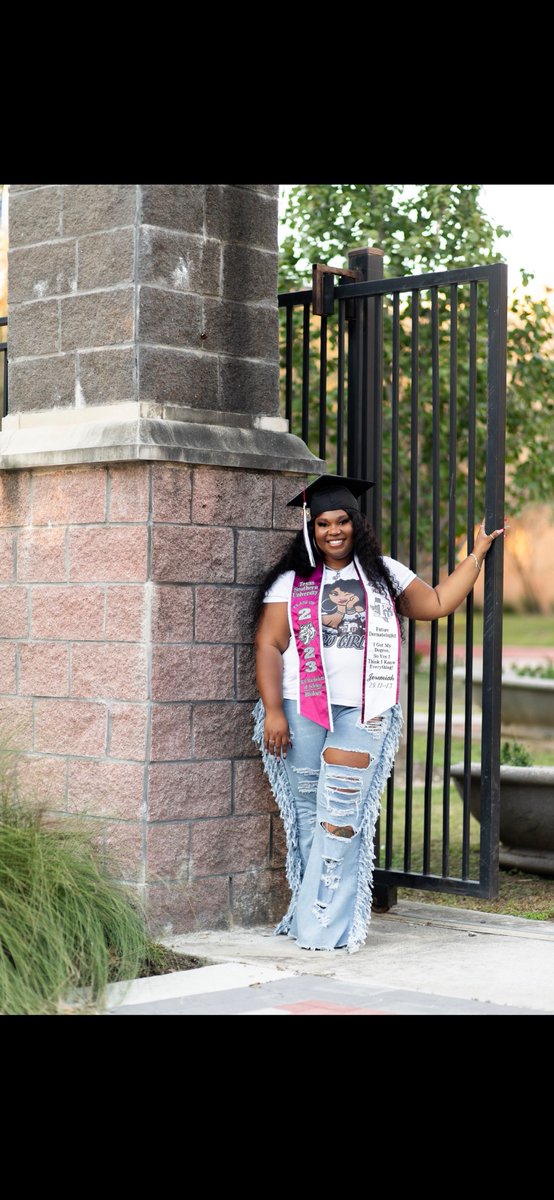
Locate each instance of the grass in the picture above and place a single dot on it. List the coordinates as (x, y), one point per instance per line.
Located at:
(64, 924)
(541, 751)
(422, 690)
(518, 629)
(520, 894)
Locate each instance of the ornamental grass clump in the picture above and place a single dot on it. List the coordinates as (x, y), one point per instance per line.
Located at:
(63, 923)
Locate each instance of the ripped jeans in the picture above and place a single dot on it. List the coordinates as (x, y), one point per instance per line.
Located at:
(330, 873)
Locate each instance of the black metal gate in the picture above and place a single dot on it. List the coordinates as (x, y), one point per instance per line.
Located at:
(403, 381)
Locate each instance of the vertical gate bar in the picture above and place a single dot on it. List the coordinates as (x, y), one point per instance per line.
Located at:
(354, 412)
(471, 432)
(361, 453)
(306, 375)
(414, 456)
(357, 447)
(323, 389)
(394, 524)
(394, 423)
(408, 810)
(492, 615)
(369, 263)
(372, 466)
(355, 364)
(452, 475)
(374, 449)
(433, 656)
(340, 392)
(366, 396)
(288, 367)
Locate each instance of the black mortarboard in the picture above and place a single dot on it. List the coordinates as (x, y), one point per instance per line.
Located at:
(330, 492)
(325, 494)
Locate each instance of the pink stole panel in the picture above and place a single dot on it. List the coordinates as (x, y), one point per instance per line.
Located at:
(305, 624)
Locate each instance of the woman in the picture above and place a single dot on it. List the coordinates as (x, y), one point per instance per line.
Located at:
(328, 722)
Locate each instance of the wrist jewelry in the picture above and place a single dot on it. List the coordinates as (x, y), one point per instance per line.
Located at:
(476, 560)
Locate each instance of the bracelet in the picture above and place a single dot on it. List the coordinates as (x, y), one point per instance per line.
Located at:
(476, 560)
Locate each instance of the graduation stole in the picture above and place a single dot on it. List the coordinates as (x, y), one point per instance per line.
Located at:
(381, 663)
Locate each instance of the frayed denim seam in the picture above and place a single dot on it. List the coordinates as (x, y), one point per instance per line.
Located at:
(362, 905)
(280, 787)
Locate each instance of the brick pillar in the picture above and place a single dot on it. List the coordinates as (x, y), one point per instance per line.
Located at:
(144, 474)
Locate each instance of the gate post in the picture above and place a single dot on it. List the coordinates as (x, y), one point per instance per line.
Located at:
(365, 371)
(365, 424)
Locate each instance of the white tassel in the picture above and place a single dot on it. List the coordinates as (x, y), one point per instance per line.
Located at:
(307, 537)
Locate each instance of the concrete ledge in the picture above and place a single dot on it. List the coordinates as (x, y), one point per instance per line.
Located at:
(132, 410)
(138, 432)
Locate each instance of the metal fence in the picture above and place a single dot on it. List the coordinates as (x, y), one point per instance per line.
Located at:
(403, 381)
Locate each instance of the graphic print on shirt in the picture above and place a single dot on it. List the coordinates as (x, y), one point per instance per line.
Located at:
(343, 613)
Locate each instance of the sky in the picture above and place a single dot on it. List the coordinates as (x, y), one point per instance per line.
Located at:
(527, 210)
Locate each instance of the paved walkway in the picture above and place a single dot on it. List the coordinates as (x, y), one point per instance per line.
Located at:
(419, 960)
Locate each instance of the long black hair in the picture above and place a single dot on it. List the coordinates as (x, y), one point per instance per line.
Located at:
(366, 547)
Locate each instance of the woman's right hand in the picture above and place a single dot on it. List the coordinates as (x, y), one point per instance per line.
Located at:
(276, 732)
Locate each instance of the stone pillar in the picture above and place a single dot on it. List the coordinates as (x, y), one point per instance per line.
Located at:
(144, 472)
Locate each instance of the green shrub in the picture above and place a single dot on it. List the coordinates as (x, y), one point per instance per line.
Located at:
(63, 923)
(513, 754)
(539, 672)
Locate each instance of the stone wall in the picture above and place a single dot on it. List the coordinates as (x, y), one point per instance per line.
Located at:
(155, 292)
(144, 473)
(127, 673)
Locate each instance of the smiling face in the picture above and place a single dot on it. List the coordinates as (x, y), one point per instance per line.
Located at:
(334, 537)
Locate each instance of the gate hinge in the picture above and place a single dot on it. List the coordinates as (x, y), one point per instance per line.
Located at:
(323, 286)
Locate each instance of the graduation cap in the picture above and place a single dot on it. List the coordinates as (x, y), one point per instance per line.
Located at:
(325, 494)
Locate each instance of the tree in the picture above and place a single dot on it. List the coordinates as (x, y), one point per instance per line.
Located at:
(428, 228)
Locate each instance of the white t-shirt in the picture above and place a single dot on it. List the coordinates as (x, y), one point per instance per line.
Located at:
(343, 626)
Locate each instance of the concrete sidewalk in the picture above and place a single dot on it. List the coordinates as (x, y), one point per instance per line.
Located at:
(419, 959)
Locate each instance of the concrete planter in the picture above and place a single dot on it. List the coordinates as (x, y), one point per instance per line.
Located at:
(526, 814)
(526, 702)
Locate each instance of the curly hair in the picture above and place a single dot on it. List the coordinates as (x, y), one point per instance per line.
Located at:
(295, 558)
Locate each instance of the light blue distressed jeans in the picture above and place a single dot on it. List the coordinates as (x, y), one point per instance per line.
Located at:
(330, 875)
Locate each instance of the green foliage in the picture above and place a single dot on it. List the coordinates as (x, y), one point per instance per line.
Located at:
(428, 228)
(420, 229)
(538, 672)
(513, 754)
(63, 924)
